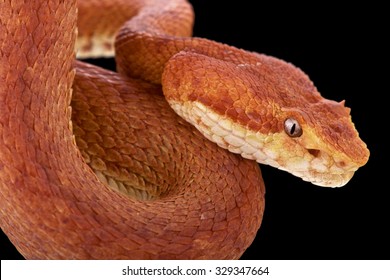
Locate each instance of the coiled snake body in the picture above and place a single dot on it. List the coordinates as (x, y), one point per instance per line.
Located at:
(143, 182)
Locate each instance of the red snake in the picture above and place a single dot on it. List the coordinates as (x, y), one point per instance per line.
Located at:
(143, 183)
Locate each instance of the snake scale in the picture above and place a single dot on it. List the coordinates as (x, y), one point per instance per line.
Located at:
(96, 164)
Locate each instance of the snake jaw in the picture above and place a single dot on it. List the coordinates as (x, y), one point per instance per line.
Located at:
(320, 168)
(307, 157)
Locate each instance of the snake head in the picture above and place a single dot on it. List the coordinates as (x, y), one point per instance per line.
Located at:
(267, 110)
(327, 150)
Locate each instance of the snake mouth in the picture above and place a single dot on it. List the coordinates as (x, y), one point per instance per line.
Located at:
(324, 179)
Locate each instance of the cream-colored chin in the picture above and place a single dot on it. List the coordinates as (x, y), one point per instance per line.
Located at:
(251, 145)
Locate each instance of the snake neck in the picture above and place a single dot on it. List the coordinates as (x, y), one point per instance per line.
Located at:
(144, 47)
(145, 42)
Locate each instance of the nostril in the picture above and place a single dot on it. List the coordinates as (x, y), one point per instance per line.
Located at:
(314, 152)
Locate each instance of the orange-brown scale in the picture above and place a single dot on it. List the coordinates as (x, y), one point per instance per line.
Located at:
(276, 89)
(52, 204)
(45, 182)
(93, 24)
(260, 96)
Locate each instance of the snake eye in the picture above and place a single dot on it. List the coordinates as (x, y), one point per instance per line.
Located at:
(292, 127)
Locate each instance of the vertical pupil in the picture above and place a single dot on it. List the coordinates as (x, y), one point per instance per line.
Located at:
(292, 129)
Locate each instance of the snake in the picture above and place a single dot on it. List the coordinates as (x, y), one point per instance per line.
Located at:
(158, 160)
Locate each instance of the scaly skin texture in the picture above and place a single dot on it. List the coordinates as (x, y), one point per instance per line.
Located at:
(251, 93)
(210, 202)
(143, 183)
(253, 100)
(99, 22)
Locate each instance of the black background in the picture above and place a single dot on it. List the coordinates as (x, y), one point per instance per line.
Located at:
(339, 49)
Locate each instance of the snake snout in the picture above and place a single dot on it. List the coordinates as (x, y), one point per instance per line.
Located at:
(328, 169)
(341, 163)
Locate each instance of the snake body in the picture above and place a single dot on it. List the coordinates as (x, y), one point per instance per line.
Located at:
(142, 182)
